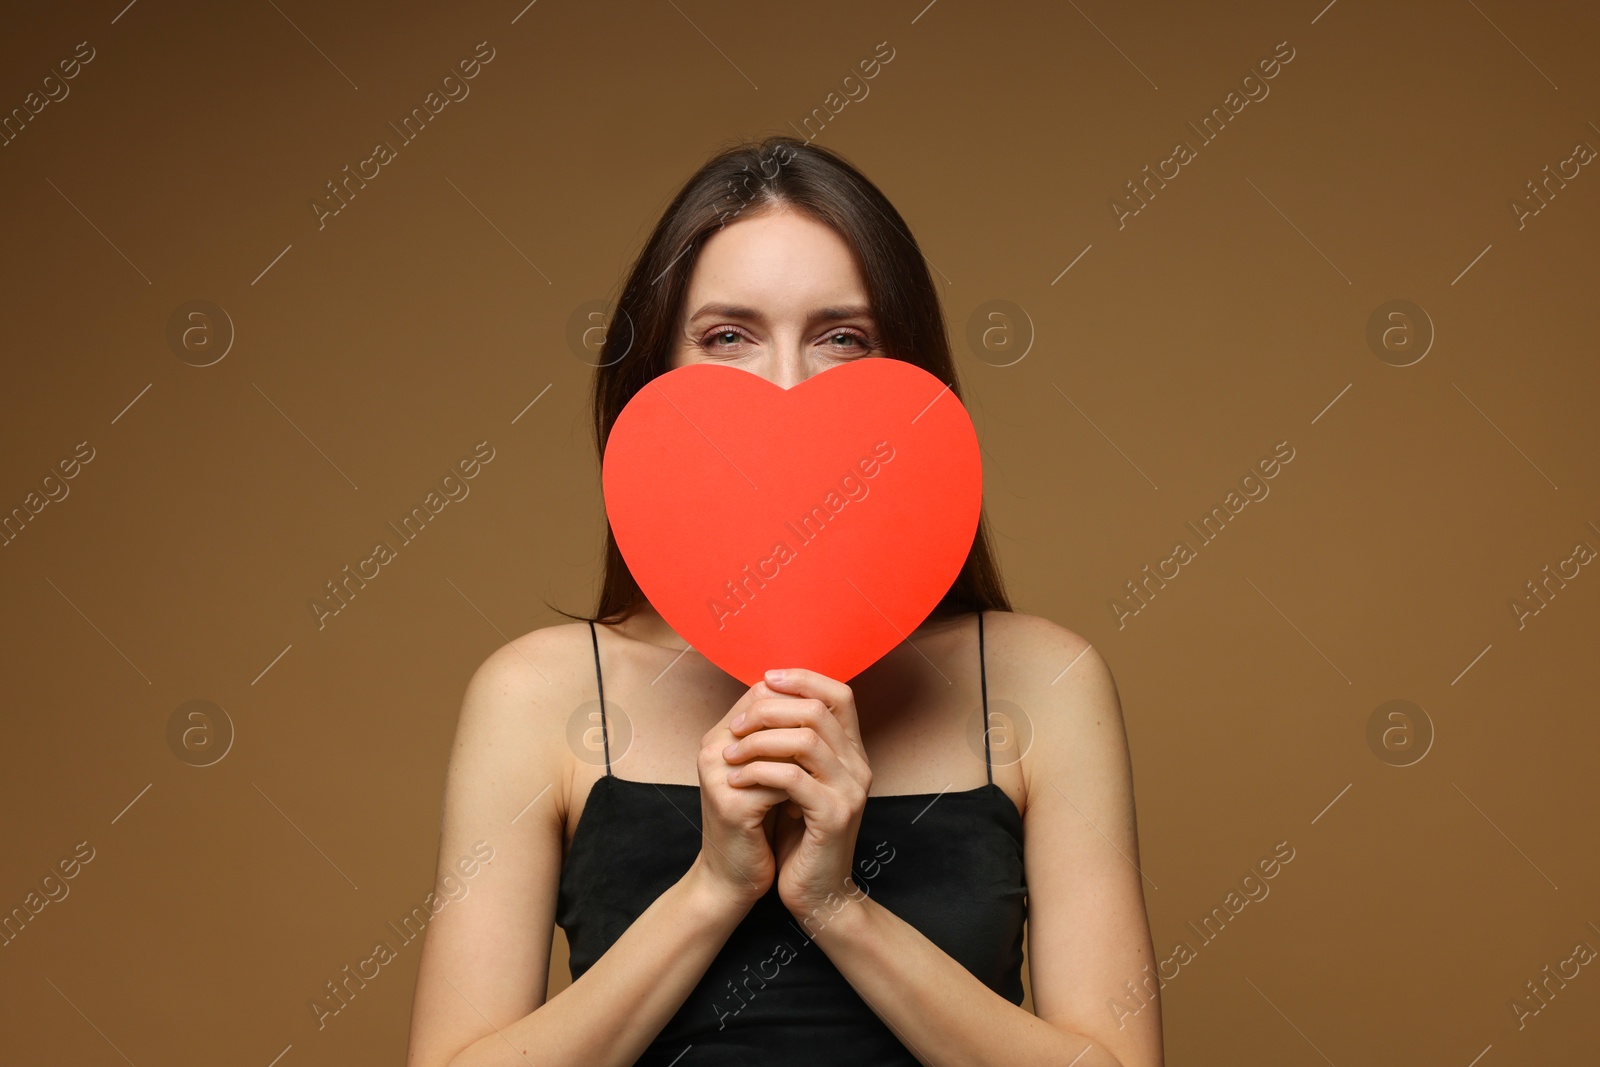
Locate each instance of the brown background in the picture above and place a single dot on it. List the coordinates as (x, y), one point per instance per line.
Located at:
(1230, 314)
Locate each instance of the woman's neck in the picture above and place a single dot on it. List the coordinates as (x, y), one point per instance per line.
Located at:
(647, 625)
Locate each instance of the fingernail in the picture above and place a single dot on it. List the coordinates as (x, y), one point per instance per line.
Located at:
(738, 720)
(775, 677)
(728, 752)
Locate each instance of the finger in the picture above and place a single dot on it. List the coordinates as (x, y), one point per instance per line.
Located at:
(754, 695)
(759, 691)
(722, 732)
(820, 805)
(802, 745)
(839, 698)
(756, 800)
(714, 779)
(804, 711)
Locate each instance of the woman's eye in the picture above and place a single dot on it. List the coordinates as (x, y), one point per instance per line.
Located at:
(711, 339)
(840, 340)
(850, 339)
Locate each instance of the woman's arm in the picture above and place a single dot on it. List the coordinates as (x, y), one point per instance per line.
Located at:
(481, 982)
(1088, 936)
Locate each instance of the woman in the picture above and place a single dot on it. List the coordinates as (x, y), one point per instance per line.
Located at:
(798, 870)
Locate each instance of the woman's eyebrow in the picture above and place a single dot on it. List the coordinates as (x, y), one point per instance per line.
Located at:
(739, 311)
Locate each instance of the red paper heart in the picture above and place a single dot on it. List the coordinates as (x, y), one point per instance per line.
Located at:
(811, 527)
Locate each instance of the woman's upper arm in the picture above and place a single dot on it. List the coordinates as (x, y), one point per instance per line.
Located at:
(1088, 932)
(486, 956)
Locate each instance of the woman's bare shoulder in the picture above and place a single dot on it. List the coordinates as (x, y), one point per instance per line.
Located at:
(514, 733)
(1029, 646)
(1059, 684)
(552, 661)
(524, 694)
(1055, 672)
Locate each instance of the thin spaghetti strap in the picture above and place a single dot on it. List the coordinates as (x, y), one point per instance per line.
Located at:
(983, 683)
(605, 734)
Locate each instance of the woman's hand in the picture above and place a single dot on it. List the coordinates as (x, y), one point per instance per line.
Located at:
(805, 742)
(737, 824)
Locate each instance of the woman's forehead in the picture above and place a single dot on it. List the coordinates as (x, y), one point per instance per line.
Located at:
(780, 262)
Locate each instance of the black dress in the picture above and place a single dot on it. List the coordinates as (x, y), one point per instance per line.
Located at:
(949, 864)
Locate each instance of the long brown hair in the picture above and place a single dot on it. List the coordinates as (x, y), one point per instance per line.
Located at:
(747, 179)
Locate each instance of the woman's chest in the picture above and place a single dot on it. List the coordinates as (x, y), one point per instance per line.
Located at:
(910, 758)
